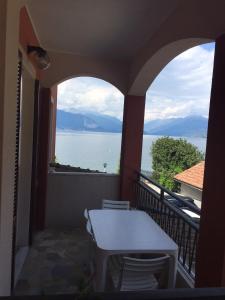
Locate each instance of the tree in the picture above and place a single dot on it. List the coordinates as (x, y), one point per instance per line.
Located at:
(170, 157)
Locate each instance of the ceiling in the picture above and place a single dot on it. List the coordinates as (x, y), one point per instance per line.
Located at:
(107, 28)
(125, 42)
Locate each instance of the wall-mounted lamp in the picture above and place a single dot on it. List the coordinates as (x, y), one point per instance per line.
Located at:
(40, 57)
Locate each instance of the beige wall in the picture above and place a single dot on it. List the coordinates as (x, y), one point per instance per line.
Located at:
(25, 159)
(65, 66)
(70, 193)
(187, 27)
(156, 60)
(9, 19)
(192, 192)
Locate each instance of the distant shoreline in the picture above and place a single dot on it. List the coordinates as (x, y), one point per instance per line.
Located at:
(67, 131)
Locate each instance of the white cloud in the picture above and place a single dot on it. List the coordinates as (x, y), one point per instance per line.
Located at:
(181, 89)
(90, 94)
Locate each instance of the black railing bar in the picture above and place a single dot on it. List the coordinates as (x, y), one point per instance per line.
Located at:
(177, 231)
(180, 244)
(185, 268)
(188, 204)
(177, 214)
(178, 211)
(186, 259)
(187, 245)
(154, 193)
(190, 247)
(157, 197)
(172, 226)
(184, 240)
(154, 211)
(182, 215)
(149, 189)
(173, 195)
(193, 252)
(193, 207)
(168, 222)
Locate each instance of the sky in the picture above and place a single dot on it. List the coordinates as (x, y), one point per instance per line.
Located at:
(182, 88)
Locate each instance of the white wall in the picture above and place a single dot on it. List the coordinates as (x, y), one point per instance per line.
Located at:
(70, 193)
(192, 192)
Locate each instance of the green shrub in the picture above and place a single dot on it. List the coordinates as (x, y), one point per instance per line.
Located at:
(170, 157)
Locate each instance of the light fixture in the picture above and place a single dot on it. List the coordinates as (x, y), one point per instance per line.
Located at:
(40, 57)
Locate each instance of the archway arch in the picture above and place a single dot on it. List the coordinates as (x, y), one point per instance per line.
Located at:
(152, 67)
(177, 102)
(66, 66)
(91, 110)
(90, 74)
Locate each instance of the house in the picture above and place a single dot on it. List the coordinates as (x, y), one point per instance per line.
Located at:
(126, 43)
(191, 182)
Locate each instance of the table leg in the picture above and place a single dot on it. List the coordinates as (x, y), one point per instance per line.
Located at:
(172, 271)
(101, 270)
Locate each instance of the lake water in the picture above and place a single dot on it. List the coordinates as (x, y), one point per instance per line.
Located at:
(92, 150)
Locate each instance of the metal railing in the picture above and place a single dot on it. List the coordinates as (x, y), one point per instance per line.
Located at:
(178, 294)
(183, 229)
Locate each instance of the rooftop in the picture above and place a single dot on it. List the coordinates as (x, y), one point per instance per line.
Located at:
(193, 176)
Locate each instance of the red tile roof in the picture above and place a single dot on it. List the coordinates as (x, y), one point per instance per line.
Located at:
(193, 176)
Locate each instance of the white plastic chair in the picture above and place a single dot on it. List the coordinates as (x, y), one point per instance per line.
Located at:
(88, 224)
(92, 242)
(134, 274)
(113, 204)
(86, 214)
(89, 229)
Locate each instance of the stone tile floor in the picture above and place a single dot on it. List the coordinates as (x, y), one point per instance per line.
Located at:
(57, 263)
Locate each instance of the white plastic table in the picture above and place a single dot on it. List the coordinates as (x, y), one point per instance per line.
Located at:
(128, 231)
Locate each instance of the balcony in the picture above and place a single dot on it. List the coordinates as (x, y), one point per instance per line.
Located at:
(57, 263)
(60, 253)
(170, 212)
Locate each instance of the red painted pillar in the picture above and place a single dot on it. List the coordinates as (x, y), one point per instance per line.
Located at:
(131, 151)
(42, 156)
(53, 123)
(210, 265)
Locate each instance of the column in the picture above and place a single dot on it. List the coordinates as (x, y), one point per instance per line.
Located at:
(131, 150)
(42, 158)
(53, 123)
(210, 266)
(9, 28)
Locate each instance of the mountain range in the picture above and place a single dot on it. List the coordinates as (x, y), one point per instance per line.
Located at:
(86, 121)
(190, 126)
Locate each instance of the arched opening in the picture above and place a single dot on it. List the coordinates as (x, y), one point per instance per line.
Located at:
(89, 125)
(144, 74)
(177, 102)
(181, 90)
(174, 143)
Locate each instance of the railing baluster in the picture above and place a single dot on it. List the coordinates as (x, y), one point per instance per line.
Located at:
(180, 227)
(193, 253)
(187, 241)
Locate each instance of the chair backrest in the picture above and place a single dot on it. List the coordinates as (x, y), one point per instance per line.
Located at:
(89, 228)
(88, 223)
(141, 274)
(153, 265)
(113, 204)
(86, 214)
